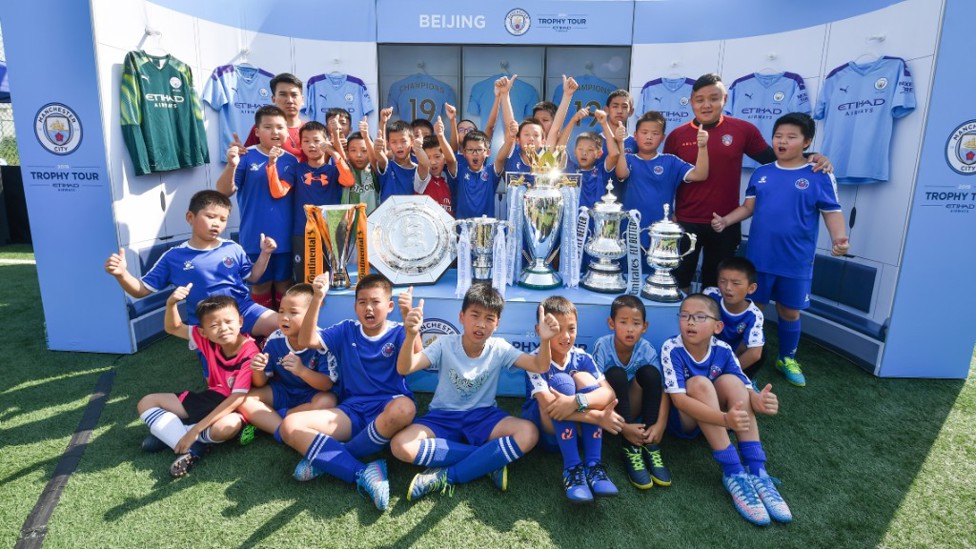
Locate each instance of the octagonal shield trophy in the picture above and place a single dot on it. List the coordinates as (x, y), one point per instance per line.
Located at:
(663, 257)
(538, 203)
(332, 233)
(607, 244)
(483, 240)
(411, 239)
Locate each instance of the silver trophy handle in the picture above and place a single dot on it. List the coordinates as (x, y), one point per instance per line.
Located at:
(692, 241)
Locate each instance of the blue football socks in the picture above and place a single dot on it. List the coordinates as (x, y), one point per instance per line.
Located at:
(369, 441)
(753, 456)
(493, 455)
(329, 455)
(440, 452)
(729, 460)
(789, 337)
(592, 436)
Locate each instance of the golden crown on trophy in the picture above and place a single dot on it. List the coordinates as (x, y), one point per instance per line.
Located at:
(546, 160)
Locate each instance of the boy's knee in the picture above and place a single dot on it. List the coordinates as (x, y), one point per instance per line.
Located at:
(563, 383)
(401, 412)
(147, 402)
(648, 377)
(526, 436)
(324, 401)
(404, 448)
(697, 386)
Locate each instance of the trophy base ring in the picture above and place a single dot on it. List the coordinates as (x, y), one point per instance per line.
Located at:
(661, 295)
(605, 283)
(540, 280)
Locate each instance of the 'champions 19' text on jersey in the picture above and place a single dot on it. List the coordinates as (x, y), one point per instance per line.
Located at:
(420, 96)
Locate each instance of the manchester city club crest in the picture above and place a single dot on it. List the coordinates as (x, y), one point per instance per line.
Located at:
(348, 97)
(801, 184)
(175, 83)
(779, 96)
(881, 83)
(57, 128)
(961, 148)
(683, 101)
(263, 92)
(726, 140)
(517, 22)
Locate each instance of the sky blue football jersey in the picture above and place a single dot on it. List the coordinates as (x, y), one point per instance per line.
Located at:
(523, 95)
(327, 91)
(420, 96)
(762, 98)
(670, 97)
(236, 92)
(592, 94)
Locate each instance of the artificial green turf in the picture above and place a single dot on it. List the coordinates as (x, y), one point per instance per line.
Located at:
(17, 251)
(864, 462)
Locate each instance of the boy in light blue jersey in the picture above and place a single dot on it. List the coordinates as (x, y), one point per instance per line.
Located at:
(375, 401)
(633, 370)
(712, 396)
(781, 246)
(571, 404)
(742, 318)
(465, 435)
(212, 265)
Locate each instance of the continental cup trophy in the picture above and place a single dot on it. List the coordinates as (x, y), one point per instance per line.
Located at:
(484, 239)
(537, 205)
(607, 244)
(663, 257)
(332, 233)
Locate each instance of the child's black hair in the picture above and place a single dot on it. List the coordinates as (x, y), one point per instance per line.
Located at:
(202, 199)
(484, 296)
(801, 120)
(627, 301)
(213, 304)
(739, 264)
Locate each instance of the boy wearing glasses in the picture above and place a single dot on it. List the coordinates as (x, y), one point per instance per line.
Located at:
(476, 180)
(712, 396)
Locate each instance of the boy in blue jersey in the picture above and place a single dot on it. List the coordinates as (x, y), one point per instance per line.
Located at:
(571, 404)
(286, 377)
(465, 435)
(742, 318)
(781, 246)
(213, 266)
(712, 396)
(620, 107)
(265, 208)
(651, 179)
(476, 179)
(633, 370)
(375, 401)
(188, 422)
(596, 158)
(397, 177)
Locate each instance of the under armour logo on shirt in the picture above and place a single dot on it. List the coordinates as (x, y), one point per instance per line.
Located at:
(322, 178)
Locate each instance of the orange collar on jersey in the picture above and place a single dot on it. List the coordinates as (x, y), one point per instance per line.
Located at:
(721, 118)
(321, 178)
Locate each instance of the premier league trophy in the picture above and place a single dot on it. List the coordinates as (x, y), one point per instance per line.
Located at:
(663, 256)
(331, 234)
(538, 214)
(607, 245)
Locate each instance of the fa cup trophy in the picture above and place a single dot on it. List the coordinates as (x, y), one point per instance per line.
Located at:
(663, 257)
(607, 245)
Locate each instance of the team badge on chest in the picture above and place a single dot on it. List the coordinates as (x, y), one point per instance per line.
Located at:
(726, 140)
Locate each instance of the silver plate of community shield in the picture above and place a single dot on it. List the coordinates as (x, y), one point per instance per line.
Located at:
(411, 240)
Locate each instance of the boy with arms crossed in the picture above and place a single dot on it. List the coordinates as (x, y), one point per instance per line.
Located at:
(376, 403)
(465, 435)
(187, 422)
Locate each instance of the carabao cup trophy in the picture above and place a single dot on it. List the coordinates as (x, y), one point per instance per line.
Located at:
(607, 244)
(663, 257)
(537, 202)
(331, 234)
(482, 238)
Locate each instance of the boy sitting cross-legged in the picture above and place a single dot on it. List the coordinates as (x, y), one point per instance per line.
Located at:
(465, 435)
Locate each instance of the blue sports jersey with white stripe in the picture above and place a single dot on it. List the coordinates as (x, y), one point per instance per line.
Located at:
(678, 365)
(277, 348)
(366, 365)
(746, 326)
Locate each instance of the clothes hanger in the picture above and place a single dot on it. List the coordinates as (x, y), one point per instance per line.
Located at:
(769, 70)
(158, 50)
(869, 55)
(589, 68)
(674, 75)
(504, 66)
(242, 59)
(423, 67)
(335, 71)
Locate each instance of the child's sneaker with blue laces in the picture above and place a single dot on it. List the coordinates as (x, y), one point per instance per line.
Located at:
(636, 468)
(372, 482)
(766, 488)
(791, 369)
(431, 480)
(655, 463)
(600, 484)
(745, 498)
(574, 480)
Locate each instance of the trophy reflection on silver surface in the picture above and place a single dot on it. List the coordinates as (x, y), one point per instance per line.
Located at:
(663, 257)
(332, 233)
(607, 244)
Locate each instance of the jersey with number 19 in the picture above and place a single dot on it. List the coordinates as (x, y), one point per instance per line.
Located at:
(420, 96)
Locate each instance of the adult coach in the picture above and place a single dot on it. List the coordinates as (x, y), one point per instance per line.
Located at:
(729, 139)
(286, 94)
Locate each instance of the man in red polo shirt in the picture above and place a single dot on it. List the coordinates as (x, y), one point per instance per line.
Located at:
(729, 139)
(286, 94)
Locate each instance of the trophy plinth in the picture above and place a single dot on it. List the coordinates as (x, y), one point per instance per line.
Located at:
(663, 257)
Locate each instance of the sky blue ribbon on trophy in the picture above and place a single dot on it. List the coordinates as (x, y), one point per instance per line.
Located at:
(499, 270)
(515, 195)
(569, 260)
(464, 262)
(633, 253)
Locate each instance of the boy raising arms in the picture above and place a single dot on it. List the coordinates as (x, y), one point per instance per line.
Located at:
(596, 157)
(570, 404)
(742, 318)
(633, 370)
(443, 169)
(359, 153)
(476, 179)
(397, 177)
(208, 255)
(376, 403)
(712, 395)
(783, 247)
(286, 377)
(265, 208)
(188, 421)
(465, 435)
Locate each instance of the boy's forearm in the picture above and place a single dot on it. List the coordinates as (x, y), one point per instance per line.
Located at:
(556, 129)
(738, 215)
(700, 173)
(600, 398)
(835, 225)
(172, 322)
(750, 357)
(622, 171)
(407, 358)
(423, 164)
(132, 285)
(699, 411)
(543, 358)
(308, 335)
(225, 182)
(502, 154)
(226, 406)
(317, 380)
(492, 118)
(261, 265)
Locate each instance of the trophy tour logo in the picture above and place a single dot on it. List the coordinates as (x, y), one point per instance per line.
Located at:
(57, 128)
(961, 148)
(431, 329)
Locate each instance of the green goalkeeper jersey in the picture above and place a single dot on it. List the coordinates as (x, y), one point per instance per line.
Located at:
(162, 119)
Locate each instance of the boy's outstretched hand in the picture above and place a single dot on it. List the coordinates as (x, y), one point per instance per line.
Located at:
(620, 132)
(180, 293)
(450, 110)
(405, 302)
(439, 125)
(765, 402)
(548, 325)
(414, 319)
(320, 285)
(115, 265)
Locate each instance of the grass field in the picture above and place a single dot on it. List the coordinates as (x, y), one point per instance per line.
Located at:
(864, 462)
